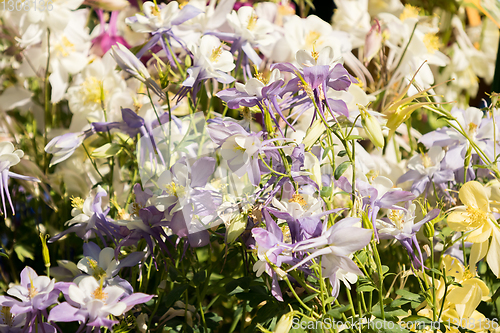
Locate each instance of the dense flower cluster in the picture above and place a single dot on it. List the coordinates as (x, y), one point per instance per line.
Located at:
(207, 165)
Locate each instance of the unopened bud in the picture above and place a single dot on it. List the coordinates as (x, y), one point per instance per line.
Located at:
(45, 250)
(285, 323)
(372, 127)
(373, 42)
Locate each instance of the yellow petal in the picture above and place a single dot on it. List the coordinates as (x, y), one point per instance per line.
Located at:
(457, 220)
(473, 194)
(480, 235)
(478, 252)
(493, 257)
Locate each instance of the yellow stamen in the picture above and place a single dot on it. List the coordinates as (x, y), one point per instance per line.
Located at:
(176, 190)
(298, 199)
(77, 202)
(93, 90)
(476, 217)
(252, 22)
(64, 47)
(426, 160)
(99, 293)
(259, 75)
(432, 42)
(409, 12)
(216, 53)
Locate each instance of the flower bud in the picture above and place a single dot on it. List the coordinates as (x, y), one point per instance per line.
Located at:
(236, 228)
(371, 127)
(285, 323)
(373, 42)
(45, 250)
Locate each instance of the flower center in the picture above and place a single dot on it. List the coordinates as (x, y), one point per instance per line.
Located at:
(99, 294)
(252, 22)
(312, 38)
(287, 236)
(216, 53)
(307, 88)
(476, 217)
(77, 202)
(426, 160)
(176, 190)
(431, 42)
(472, 129)
(298, 199)
(409, 12)
(397, 217)
(93, 91)
(64, 47)
(99, 272)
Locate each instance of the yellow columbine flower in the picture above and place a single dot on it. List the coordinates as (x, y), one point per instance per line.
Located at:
(460, 303)
(476, 217)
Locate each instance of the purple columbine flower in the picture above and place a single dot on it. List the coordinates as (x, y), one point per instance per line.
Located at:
(335, 246)
(89, 219)
(260, 92)
(107, 37)
(426, 169)
(480, 130)
(313, 80)
(130, 64)
(63, 146)
(91, 303)
(158, 20)
(239, 148)
(9, 157)
(210, 60)
(102, 264)
(146, 222)
(400, 225)
(33, 296)
(379, 194)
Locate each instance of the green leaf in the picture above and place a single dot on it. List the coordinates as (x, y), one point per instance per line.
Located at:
(23, 252)
(365, 288)
(354, 137)
(107, 150)
(337, 312)
(409, 295)
(342, 153)
(339, 171)
(326, 191)
(175, 294)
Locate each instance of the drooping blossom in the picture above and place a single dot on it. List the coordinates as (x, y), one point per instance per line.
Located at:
(9, 156)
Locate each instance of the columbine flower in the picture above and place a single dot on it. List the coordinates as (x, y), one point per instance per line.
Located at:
(34, 295)
(314, 79)
(88, 218)
(476, 217)
(249, 32)
(400, 225)
(460, 299)
(258, 91)
(426, 169)
(335, 245)
(239, 148)
(101, 264)
(107, 36)
(478, 129)
(158, 20)
(210, 60)
(9, 322)
(92, 303)
(133, 66)
(63, 146)
(9, 157)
